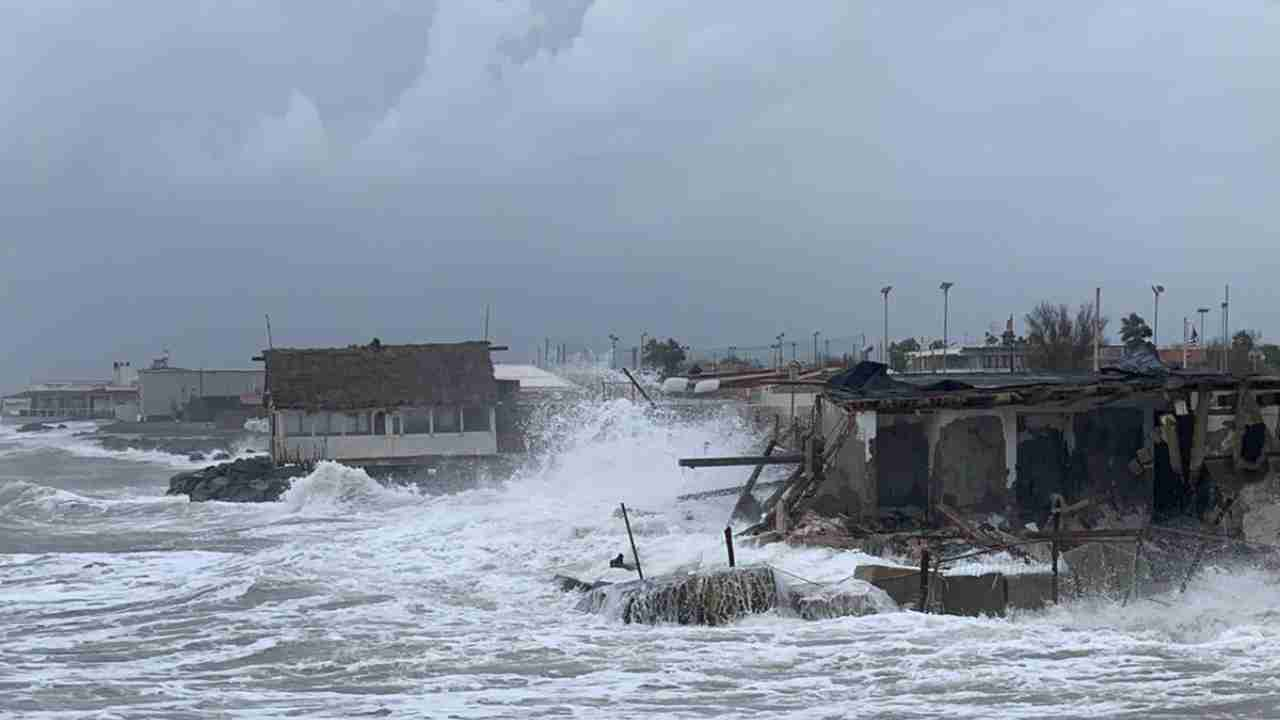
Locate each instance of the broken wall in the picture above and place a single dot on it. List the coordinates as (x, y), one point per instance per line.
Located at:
(902, 470)
(849, 487)
(972, 462)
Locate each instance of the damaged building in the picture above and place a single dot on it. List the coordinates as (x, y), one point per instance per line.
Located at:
(1141, 447)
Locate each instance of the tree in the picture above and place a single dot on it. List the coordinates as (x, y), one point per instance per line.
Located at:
(898, 353)
(1242, 346)
(1135, 333)
(1271, 356)
(666, 356)
(936, 345)
(1056, 341)
(991, 340)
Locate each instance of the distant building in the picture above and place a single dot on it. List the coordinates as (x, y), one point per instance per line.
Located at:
(969, 359)
(171, 393)
(113, 399)
(383, 404)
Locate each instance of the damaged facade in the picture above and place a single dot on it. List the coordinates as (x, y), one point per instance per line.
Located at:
(1144, 448)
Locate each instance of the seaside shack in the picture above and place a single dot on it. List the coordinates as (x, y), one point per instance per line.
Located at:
(385, 405)
(1142, 447)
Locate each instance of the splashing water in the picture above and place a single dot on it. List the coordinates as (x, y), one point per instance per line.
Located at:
(348, 597)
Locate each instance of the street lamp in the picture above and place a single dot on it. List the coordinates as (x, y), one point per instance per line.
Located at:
(1155, 324)
(642, 338)
(1204, 353)
(884, 346)
(816, 333)
(779, 346)
(613, 350)
(946, 311)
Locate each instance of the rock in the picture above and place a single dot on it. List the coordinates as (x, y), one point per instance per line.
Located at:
(853, 598)
(36, 427)
(196, 457)
(1262, 525)
(254, 479)
(62, 427)
(218, 457)
(723, 596)
(713, 598)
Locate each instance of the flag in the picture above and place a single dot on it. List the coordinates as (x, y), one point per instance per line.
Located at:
(1195, 338)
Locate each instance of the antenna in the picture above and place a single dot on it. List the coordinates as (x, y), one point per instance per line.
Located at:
(270, 344)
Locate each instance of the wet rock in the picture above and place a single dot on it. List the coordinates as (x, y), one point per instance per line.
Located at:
(219, 457)
(714, 598)
(196, 457)
(723, 596)
(254, 479)
(36, 427)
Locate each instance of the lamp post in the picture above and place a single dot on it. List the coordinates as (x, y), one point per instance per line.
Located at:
(613, 350)
(642, 339)
(779, 346)
(1204, 353)
(816, 333)
(884, 345)
(1155, 323)
(946, 312)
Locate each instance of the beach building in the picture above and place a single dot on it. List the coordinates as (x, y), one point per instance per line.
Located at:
(114, 399)
(384, 404)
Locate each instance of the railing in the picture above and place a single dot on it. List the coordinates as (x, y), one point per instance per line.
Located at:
(71, 413)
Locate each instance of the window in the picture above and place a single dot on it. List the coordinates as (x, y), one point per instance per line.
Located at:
(417, 421)
(475, 419)
(292, 423)
(359, 422)
(319, 423)
(395, 424)
(447, 419)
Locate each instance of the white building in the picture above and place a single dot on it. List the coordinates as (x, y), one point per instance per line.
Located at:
(382, 404)
(165, 392)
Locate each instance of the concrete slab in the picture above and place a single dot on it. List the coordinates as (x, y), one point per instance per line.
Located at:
(900, 583)
(974, 595)
(1029, 591)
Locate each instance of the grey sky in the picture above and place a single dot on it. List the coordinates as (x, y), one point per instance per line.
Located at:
(717, 171)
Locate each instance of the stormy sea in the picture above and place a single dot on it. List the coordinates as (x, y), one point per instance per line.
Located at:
(350, 598)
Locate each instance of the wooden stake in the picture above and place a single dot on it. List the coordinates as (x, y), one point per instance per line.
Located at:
(634, 555)
(728, 543)
(1053, 548)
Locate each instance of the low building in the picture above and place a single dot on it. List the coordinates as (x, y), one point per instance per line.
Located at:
(113, 399)
(969, 359)
(1145, 446)
(382, 404)
(167, 393)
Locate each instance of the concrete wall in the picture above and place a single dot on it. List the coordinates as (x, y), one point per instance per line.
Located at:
(973, 459)
(164, 392)
(902, 461)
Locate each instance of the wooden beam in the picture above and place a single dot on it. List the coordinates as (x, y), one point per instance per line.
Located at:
(741, 460)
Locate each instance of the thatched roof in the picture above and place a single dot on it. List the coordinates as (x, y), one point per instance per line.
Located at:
(373, 376)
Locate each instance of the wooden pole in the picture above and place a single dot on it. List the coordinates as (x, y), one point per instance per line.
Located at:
(634, 555)
(1053, 547)
(923, 604)
(635, 384)
(1133, 586)
(728, 543)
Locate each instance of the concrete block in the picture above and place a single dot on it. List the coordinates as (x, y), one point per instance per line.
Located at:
(974, 595)
(1029, 591)
(900, 583)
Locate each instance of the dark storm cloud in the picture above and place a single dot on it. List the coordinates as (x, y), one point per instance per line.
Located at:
(720, 171)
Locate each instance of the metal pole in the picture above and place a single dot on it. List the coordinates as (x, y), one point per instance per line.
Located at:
(634, 555)
(1097, 327)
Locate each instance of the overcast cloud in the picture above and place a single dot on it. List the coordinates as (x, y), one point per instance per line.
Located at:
(716, 171)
